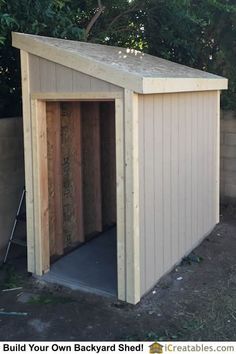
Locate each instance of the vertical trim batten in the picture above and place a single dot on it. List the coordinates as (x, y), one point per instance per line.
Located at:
(132, 197)
(29, 179)
(41, 200)
(136, 215)
(120, 190)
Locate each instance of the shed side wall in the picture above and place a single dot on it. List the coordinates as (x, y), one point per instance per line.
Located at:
(178, 163)
(46, 76)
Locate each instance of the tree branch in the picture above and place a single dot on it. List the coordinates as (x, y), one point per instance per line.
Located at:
(134, 8)
(94, 19)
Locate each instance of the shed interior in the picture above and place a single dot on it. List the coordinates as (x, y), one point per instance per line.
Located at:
(82, 194)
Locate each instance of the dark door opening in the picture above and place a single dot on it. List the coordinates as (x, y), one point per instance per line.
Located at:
(82, 192)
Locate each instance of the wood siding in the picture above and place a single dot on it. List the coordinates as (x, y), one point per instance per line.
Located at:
(46, 76)
(178, 177)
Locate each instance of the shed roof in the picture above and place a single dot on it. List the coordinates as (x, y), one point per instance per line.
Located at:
(123, 67)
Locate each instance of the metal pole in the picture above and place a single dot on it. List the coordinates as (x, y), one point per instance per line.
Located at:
(14, 225)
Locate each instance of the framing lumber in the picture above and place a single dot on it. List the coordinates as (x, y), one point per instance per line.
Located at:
(78, 96)
(132, 198)
(72, 173)
(55, 178)
(108, 163)
(76, 169)
(91, 167)
(41, 199)
(28, 157)
(120, 199)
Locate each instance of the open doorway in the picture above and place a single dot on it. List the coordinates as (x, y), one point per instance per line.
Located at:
(82, 195)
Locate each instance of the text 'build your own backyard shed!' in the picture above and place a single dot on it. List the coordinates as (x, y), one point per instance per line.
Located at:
(116, 137)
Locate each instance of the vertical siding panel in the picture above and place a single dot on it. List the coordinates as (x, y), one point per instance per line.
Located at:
(47, 75)
(211, 161)
(205, 167)
(80, 82)
(158, 184)
(188, 161)
(194, 146)
(213, 139)
(142, 196)
(149, 187)
(167, 110)
(34, 73)
(99, 85)
(174, 179)
(199, 172)
(208, 166)
(64, 81)
(210, 146)
(215, 164)
(113, 88)
(201, 165)
(182, 135)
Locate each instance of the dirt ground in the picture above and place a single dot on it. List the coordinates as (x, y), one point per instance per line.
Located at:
(196, 301)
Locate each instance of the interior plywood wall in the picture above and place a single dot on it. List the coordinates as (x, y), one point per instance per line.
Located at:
(72, 201)
(82, 175)
(108, 163)
(91, 147)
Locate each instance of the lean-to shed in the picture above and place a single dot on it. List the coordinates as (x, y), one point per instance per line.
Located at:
(114, 136)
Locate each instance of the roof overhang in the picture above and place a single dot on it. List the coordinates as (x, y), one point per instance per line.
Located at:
(112, 74)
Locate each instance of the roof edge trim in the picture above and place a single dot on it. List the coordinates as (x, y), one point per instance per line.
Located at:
(168, 85)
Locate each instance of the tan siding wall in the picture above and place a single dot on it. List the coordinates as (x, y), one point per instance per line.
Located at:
(177, 178)
(46, 76)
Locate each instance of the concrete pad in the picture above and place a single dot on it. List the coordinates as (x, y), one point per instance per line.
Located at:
(92, 267)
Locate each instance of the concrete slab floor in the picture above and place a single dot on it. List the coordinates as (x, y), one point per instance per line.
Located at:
(91, 267)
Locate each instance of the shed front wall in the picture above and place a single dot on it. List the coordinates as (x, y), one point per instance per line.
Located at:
(178, 174)
(47, 76)
(43, 81)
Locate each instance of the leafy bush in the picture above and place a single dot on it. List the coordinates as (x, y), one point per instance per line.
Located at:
(198, 33)
(54, 18)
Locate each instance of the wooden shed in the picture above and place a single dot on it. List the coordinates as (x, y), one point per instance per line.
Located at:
(114, 136)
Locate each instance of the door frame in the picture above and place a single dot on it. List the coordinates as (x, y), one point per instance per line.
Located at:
(40, 239)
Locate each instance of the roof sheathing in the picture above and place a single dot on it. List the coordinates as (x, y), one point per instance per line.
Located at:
(123, 67)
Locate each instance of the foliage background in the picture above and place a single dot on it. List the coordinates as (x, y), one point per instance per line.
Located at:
(198, 33)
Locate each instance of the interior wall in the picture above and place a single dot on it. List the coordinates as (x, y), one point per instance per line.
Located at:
(65, 176)
(108, 163)
(72, 169)
(91, 150)
(81, 169)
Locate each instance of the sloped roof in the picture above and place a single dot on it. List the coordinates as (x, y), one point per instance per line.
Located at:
(123, 67)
